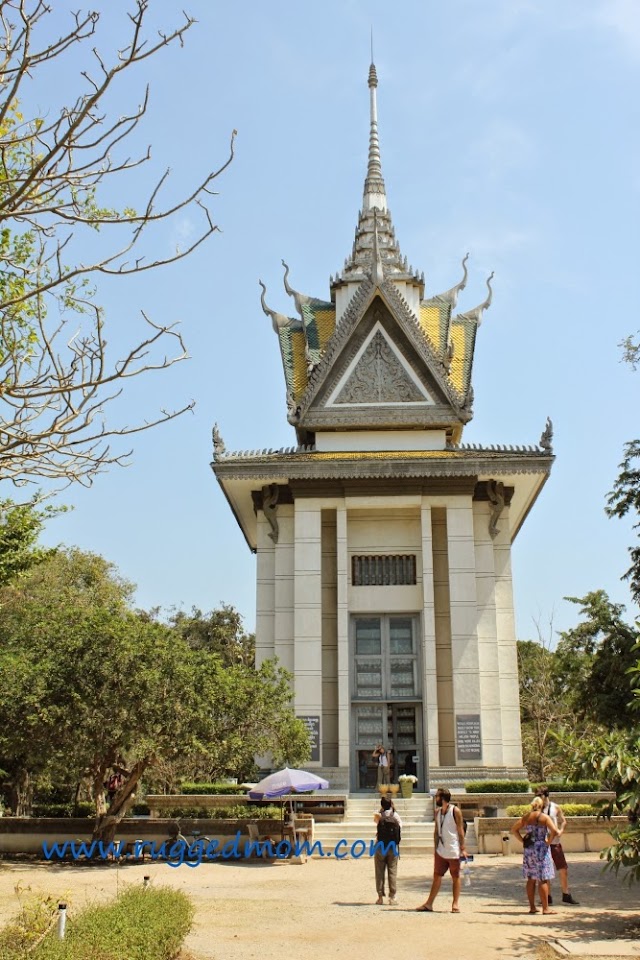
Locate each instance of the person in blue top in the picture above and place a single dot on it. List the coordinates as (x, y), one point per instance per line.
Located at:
(537, 863)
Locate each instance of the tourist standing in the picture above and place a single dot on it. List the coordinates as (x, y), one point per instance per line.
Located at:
(537, 864)
(449, 849)
(554, 812)
(383, 765)
(389, 827)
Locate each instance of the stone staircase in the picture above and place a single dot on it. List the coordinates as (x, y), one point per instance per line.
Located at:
(417, 823)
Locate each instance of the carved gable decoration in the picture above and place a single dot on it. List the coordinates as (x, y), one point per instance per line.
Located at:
(378, 375)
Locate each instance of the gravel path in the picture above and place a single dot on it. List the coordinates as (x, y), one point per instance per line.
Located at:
(325, 908)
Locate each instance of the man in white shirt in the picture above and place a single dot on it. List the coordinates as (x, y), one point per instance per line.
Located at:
(554, 812)
(449, 849)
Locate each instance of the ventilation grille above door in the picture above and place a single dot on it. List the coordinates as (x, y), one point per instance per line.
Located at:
(383, 571)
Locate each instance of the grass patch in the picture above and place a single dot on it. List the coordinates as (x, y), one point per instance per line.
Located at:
(140, 924)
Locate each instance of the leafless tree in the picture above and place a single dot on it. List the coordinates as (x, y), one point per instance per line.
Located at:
(543, 710)
(57, 373)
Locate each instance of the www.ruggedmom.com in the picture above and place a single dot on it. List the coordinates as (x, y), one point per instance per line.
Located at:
(177, 852)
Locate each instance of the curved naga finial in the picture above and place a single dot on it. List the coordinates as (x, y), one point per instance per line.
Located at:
(546, 440)
(451, 296)
(218, 442)
(476, 313)
(277, 319)
(300, 299)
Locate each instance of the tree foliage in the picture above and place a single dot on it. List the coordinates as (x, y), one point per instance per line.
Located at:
(20, 526)
(220, 631)
(624, 500)
(87, 684)
(58, 234)
(593, 660)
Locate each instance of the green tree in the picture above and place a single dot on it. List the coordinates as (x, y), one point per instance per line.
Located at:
(87, 684)
(543, 710)
(20, 526)
(613, 758)
(593, 660)
(624, 500)
(58, 236)
(220, 631)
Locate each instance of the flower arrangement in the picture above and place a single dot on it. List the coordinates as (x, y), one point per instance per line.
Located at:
(407, 778)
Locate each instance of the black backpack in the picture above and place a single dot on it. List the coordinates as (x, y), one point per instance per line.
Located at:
(388, 831)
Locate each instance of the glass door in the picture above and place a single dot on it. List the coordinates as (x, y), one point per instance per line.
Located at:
(385, 698)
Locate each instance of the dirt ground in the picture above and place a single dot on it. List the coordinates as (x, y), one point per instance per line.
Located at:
(325, 908)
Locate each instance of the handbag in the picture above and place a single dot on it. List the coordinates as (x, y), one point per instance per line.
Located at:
(529, 839)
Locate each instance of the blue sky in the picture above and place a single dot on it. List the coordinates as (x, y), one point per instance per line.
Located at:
(508, 129)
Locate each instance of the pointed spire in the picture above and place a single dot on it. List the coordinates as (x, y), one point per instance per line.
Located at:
(374, 189)
(377, 269)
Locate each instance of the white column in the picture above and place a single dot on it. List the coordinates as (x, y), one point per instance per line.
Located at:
(492, 729)
(344, 700)
(265, 563)
(283, 588)
(462, 590)
(429, 668)
(507, 650)
(307, 658)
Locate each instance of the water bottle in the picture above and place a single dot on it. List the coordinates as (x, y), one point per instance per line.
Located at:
(466, 873)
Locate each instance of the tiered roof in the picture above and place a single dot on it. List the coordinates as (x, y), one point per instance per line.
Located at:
(376, 266)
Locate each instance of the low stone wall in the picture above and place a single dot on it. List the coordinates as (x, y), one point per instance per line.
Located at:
(25, 835)
(581, 834)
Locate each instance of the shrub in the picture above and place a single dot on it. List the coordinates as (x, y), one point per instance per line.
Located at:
(211, 788)
(569, 810)
(498, 786)
(139, 810)
(140, 925)
(577, 786)
(65, 810)
(237, 812)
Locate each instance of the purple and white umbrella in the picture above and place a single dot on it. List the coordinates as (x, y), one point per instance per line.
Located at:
(287, 781)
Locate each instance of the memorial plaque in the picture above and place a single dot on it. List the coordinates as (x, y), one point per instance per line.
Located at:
(313, 728)
(468, 736)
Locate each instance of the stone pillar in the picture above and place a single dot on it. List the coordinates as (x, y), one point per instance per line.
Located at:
(265, 566)
(283, 588)
(492, 726)
(344, 699)
(507, 650)
(429, 669)
(463, 601)
(307, 658)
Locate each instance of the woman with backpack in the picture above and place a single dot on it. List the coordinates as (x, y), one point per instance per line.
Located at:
(389, 827)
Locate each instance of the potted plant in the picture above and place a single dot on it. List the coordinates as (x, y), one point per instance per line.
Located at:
(407, 782)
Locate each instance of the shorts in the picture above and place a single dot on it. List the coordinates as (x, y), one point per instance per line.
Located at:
(440, 866)
(558, 857)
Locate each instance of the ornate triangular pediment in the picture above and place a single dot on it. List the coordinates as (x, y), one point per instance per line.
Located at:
(378, 375)
(379, 370)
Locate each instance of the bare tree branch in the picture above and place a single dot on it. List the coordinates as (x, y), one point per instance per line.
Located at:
(56, 372)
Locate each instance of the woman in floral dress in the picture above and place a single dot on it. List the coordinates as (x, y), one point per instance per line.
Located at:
(537, 864)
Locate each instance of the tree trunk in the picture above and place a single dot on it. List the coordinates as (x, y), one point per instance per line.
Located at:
(109, 818)
(21, 794)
